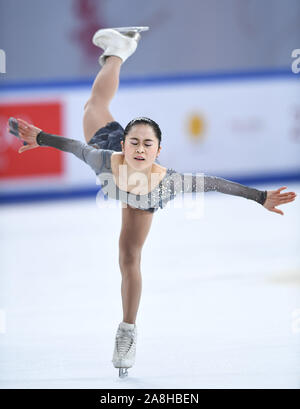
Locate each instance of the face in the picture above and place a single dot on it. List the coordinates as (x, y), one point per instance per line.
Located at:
(140, 141)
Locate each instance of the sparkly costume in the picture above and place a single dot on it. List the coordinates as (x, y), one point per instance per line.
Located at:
(172, 184)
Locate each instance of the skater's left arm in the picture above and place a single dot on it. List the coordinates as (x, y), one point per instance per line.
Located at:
(269, 199)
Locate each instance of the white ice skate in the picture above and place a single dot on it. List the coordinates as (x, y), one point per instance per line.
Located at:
(119, 41)
(125, 349)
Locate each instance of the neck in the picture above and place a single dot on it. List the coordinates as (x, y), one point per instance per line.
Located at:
(130, 170)
(145, 184)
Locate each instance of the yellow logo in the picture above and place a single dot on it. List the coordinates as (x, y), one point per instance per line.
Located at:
(196, 127)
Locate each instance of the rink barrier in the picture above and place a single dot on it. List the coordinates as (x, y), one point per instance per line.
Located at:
(183, 78)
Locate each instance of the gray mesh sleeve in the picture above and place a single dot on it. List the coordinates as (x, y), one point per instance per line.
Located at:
(232, 188)
(92, 156)
(196, 183)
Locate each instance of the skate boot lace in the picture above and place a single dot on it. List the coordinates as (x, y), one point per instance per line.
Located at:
(125, 339)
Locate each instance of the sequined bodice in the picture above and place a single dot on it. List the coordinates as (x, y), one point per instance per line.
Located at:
(154, 199)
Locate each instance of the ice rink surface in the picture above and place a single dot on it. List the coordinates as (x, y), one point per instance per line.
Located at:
(220, 304)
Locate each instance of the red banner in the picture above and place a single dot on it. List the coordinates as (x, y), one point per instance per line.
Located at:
(42, 161)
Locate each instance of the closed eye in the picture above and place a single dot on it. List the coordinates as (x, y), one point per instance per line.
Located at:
(136, 144)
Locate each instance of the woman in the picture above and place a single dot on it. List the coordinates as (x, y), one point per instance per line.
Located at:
(122, 155)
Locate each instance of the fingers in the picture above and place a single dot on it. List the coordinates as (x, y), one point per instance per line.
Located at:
(24, 128)
(286, 199)
(277, 211)
(22, 149)
(288, 194)
(280, 202)
(22, 123)
(281, 188)
(283, 197)
(26, 148)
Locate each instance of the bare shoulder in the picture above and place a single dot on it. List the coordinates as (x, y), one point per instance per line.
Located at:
(159, 169)
(116, 159)
(117, 155)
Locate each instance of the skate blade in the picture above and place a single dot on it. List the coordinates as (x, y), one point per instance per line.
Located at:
(123, 373)
(133, 32)
(130, 29)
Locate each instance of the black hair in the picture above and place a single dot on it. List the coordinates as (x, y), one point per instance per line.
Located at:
(146, 121)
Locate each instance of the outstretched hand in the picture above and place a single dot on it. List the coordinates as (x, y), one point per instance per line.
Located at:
(28, 133)
(275, 198)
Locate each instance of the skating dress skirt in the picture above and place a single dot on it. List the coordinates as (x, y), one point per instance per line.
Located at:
(109, 137)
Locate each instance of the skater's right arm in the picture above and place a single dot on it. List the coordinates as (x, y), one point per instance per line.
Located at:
(35, 137)
(92, 156)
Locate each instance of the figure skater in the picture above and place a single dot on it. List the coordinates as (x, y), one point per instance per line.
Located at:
(117, 156)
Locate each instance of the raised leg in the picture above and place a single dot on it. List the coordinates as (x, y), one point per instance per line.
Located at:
(136, 224)
(96, 110)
